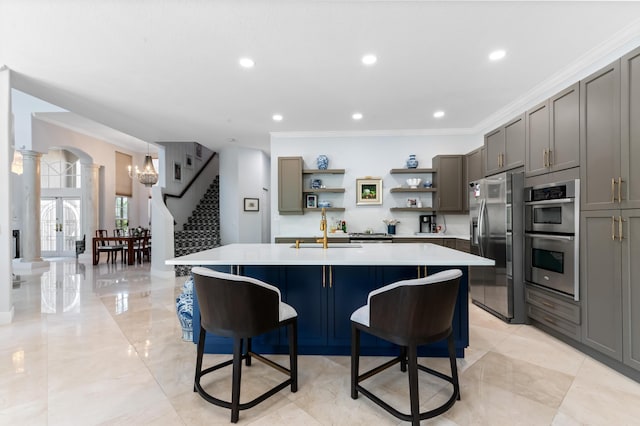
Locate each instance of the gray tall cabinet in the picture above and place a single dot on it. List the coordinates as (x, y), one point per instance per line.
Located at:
(610, 204)
(504, 147)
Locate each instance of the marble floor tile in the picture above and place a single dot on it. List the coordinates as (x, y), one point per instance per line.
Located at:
(101, 345)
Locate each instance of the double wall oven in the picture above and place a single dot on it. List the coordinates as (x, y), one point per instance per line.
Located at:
(551, 236)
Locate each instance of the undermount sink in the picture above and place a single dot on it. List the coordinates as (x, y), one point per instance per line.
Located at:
(331, 245)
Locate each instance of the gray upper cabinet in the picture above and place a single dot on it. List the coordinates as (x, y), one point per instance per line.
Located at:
(475, 165)
(505, 147)
(564, 142)
(537, 140)
(553, 133)
(600, 138)
(448, 183)
(290, 185)
(630, 72)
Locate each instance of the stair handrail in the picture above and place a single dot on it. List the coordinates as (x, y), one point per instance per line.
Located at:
(193, 179)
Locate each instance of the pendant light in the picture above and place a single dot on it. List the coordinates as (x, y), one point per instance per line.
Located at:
(148, 175)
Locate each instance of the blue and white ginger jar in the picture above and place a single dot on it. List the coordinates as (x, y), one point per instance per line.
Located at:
(412, 163)
(323, 162)
(184, 309)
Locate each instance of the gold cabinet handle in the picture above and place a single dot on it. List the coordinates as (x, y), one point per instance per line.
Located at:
(544, 157)
(550, 320)
(548, 158)
(425, 271)
(613, 228)
(547, 304)
(324, 277)
(620, 220)
(613, 190)
(330, 276)
(418, 272)
(620, 189)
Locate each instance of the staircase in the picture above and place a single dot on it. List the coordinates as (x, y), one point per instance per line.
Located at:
(202, 230)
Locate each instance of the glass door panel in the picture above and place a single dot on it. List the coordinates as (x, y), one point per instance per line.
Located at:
(59, 226)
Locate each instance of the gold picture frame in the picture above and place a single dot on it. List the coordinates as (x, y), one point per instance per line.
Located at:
(368, 191)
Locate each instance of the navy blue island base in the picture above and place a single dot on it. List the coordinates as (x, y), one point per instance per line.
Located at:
(325, 297)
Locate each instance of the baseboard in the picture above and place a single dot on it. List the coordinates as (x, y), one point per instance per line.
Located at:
(162, 273)
(20, 265)
(7, 317)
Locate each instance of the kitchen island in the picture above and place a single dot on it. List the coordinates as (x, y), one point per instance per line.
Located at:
(326, 285)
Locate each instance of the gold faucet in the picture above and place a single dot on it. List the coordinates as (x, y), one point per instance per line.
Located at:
(323, 227)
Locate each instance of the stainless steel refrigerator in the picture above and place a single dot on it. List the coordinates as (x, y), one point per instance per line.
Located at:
(496, 209)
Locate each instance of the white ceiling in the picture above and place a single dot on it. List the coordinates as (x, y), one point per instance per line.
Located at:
(168, 70)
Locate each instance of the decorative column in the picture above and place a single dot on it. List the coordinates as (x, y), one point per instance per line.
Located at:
(31, 189)
(90, 203)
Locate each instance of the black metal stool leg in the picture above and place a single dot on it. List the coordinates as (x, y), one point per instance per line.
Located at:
(200, 352)
(454, 365)
(403, 360)
(413, 385)
(247, 360)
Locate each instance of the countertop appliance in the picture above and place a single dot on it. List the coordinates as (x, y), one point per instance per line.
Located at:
(497, 232)
(551, 237)
(426, 223)
(376, 237)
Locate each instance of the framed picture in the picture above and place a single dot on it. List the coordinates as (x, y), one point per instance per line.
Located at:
(312, 201)
(368, 191)
(188, 161)
(177, 171)
(198, 150)
(251, 204)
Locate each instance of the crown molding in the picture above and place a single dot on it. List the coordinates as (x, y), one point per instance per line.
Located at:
(371, 133)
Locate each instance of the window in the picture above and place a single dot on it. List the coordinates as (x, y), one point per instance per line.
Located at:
(122, 212)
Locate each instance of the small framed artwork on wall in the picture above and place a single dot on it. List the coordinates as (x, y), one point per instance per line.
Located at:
(251, 204)
(188, 161)
(177, 171)
(368, 191)
(311, 201)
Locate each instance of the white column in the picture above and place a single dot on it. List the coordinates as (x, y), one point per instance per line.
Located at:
(30, 235)
(90, 203)
(6, 237)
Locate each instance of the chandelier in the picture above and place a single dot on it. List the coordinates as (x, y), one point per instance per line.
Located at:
(148, 175)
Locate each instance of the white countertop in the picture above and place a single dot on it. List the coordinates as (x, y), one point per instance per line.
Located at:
(337, 254)
(397, 236)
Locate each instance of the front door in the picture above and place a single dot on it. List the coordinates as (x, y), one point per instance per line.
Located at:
(59, 226)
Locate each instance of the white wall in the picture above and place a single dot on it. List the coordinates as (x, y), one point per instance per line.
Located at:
(23, 105)
(244, 173)
(6, 237)
(47, 135)
(362, 156)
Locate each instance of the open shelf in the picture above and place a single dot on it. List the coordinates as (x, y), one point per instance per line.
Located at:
(401, 189)
(323, 172)
(319, 190)
(329, 209)
(412, 209)
(411, 171)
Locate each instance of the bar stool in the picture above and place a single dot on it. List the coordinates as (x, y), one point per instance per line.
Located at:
(409, 313)
(241, 308)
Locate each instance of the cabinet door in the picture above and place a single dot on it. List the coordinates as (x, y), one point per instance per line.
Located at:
(290, 185)
(475, 169)
(565, 129)
(514, 143)
(307, 293)
(630, 190)
(348, 290)
(537, 140)
(631, 286)
(600, 138)
(601, 285)
(494, 150)
(448, 183)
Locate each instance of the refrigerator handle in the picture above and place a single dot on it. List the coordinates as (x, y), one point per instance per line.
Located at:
(481, 227)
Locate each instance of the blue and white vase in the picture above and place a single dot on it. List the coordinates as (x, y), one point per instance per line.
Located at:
(184, 309)
(412, 163)
(323, 162)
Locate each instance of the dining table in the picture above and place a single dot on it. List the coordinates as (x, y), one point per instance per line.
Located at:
(129, 240)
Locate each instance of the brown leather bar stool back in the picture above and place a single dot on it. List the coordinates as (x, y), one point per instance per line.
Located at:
(241, 308)
(409, 313)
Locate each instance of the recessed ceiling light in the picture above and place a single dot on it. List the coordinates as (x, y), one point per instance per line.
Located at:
(277, 117)
(496, 55)
(438, 114)
(246, 63)
(356, 116)
(369, 59)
